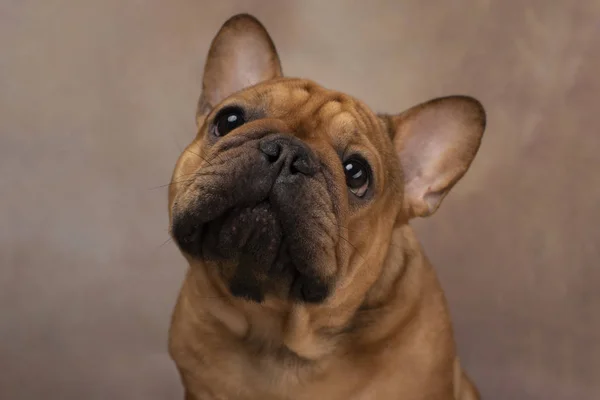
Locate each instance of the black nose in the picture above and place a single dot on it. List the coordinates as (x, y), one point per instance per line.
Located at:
(290, 154)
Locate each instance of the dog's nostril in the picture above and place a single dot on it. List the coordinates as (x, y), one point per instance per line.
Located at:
(300, 165)
(271, 149)
(289, 155)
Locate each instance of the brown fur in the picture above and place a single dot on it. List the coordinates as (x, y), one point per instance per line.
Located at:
(384, 330)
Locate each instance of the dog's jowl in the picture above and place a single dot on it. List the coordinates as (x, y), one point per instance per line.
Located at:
(292, 206)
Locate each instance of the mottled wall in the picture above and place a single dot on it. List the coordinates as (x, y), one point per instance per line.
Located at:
(97, 99)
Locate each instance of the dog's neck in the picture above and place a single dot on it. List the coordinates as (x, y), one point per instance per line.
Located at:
(313, 332)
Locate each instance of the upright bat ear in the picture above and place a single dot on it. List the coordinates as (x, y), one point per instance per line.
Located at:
(241, 55)
(436, 142)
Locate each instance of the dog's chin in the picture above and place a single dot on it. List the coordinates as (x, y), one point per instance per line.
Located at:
(249, 249)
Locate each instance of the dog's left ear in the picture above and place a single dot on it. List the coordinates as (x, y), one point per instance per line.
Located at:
(242, 54)
(436, 142)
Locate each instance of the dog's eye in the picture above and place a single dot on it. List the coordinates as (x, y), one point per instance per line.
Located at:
(227, 120)
(357, 176)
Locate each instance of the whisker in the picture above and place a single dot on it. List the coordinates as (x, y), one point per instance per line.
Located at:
(171, 183)
(352, 245)
(165, 242)
(199, 156)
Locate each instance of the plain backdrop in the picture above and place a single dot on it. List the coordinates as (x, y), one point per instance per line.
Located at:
(97, 99)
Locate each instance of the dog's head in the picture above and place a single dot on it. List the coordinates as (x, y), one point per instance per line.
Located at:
(289, 189)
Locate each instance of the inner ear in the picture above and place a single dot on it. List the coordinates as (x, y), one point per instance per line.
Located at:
(436, 142)
(242, 54)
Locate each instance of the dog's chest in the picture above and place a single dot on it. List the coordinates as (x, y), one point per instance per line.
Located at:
(239, 371)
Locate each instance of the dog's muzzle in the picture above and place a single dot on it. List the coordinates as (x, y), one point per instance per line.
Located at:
(250, 213)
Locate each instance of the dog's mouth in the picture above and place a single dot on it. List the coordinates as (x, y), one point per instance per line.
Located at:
(263, 217)
(252, 253)
(250, 233)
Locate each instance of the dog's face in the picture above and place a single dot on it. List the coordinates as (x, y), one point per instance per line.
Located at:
(289, 189)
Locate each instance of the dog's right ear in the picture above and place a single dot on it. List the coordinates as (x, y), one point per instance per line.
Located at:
(241, 55)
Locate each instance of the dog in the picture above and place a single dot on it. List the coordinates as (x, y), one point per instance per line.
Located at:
(292, 206)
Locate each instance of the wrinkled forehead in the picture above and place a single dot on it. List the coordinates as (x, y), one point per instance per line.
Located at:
(312, 111)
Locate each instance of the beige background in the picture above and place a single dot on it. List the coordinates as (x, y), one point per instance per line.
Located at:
(97, 98)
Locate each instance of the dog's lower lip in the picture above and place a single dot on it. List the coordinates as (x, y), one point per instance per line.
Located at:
(238, 220)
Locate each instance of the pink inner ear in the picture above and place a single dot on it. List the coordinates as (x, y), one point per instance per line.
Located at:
(241, 55)
(250, 63)
(436, 143)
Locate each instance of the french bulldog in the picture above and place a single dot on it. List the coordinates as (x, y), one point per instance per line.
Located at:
(292, 206)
